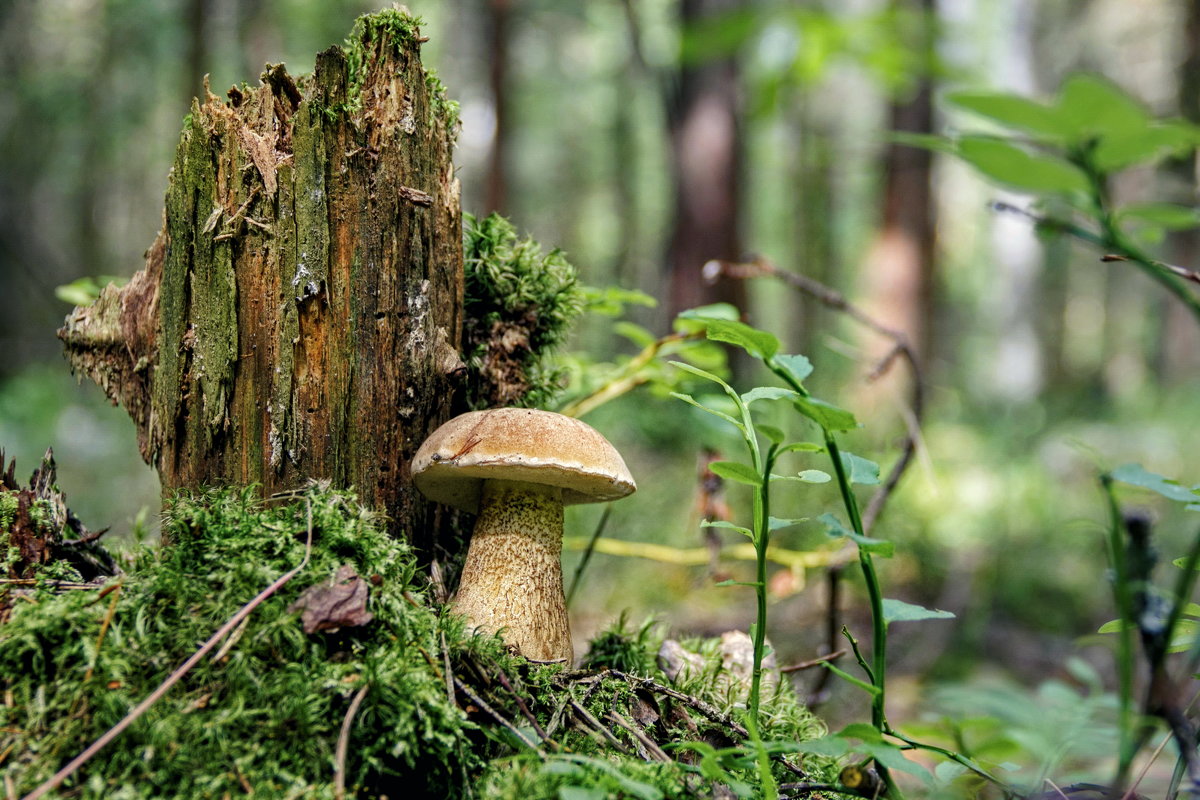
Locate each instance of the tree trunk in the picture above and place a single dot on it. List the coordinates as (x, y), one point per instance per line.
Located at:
(705, 135)
(298, 315)
(899, 274)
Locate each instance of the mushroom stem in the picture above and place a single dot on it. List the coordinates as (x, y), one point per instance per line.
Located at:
(512, 580)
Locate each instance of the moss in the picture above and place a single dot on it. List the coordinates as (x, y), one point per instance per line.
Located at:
(266, 710)
(392, 28)
(440, 105)
(519, 305)
(8, 510)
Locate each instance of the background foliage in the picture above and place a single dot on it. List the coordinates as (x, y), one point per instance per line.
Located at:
(1042, 363)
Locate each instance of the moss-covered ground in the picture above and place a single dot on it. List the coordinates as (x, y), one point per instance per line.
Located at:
(440, 713)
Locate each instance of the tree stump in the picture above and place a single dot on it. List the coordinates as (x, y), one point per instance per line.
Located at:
(299, 313)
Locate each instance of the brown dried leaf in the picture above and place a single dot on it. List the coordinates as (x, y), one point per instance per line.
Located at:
(341, 603)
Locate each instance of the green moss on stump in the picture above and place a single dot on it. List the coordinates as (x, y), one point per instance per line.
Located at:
(520, 304)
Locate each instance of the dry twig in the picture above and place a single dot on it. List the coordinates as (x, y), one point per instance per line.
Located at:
(496, 715)
(343, 744)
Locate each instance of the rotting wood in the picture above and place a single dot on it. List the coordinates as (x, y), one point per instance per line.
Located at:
(299, 314)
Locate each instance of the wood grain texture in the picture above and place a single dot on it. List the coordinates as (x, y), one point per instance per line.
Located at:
(299, 315)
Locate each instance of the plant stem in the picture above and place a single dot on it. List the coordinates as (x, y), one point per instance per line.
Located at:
(1115, 241)
(1124, 603)
(762, 535)
(874, 591)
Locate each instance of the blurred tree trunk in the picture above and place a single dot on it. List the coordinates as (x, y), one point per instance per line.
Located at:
(298, 315)
(499, 16)
(1179, 351)
(706, 154)
(899, 274)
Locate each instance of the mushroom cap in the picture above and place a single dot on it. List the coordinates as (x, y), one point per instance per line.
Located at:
(519, 444)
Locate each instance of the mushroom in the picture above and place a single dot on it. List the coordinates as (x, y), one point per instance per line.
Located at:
(516, 468)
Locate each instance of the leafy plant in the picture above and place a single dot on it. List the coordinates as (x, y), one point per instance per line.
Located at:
(1064, 153)
(1163, 621)
(765, 446)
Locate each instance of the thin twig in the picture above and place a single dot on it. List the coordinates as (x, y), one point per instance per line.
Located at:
(585, 716)
(520, 701)
(648, 744)
(813, 662)
(448, 670)
(343, 744)
(587, 553)
(141, 708)
(496, 715)
(43, 582)
(694, 703)
(231, 641)
(108, 618)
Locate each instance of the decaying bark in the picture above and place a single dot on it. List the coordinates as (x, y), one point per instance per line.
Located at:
(298, 315)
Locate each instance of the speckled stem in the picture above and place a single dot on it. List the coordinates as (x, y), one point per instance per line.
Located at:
(512, 579)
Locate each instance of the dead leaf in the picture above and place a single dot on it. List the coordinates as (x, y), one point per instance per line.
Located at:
(340, 603)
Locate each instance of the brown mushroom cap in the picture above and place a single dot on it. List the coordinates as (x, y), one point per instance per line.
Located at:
(519, 444)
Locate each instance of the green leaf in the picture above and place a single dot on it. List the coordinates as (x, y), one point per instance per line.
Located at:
(611, 300)
(700, 373)
(737, 583)
(773, 434)
(900, 611)
(711, 312)
(827, 415)
(1146, 145)
(814, 476)
(947, 771)
(79, 292)
(861, 730)
(580, 793)
(1095, 106)
(1010, 165)
(825, 746)
(644, 791)
(687, 398)
(797, 366)
(802, 447)
(1182, 637)
(860, 470)
(640, 337)
(736, 471)
(835, 528)
(1166, 215)
(775, 523)
(766, 393)
(924, 141)
(759, 344)
(727, 526)
(892, 757)
(1135, 475)
(1014, 111)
